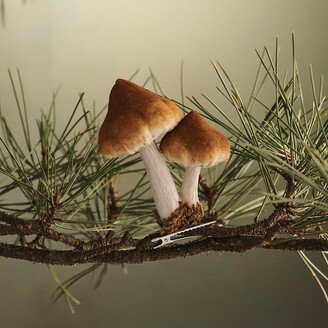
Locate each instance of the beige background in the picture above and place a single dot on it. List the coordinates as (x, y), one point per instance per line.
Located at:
(86, 45)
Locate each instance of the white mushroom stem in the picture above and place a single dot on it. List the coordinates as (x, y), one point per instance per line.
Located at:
(161, 182)
(189, 187)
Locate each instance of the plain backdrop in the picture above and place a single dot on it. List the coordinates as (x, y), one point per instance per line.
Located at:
(83, 45)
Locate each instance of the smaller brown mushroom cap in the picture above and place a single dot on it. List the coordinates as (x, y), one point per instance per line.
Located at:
(194, 142)
(135, 117)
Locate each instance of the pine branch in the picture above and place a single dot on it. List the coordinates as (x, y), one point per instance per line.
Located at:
(136, 256)
(72, 212)
(211, 238)
(261, 234)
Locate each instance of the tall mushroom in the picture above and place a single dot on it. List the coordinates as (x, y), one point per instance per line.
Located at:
(195, 144)
(135, 118)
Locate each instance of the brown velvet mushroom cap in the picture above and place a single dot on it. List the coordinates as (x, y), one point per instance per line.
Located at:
(135, 117)
(194, 142)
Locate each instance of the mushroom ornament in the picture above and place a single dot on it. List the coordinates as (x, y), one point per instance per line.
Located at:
(135, 118)
(195, 144)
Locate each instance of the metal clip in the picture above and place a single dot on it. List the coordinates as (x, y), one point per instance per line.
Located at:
(179, 235)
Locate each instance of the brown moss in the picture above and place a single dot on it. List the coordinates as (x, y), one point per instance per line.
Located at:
(183, 217)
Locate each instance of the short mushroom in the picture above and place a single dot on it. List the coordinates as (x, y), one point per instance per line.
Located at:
(135, 118)
(195, 144)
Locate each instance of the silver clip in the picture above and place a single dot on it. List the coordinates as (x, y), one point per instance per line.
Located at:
(179, 235)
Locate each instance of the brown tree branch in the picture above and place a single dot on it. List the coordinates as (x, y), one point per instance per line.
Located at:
(16, 226)
(126, 249)
(134, 256)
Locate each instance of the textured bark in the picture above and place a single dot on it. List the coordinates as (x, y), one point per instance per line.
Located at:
(135, 256)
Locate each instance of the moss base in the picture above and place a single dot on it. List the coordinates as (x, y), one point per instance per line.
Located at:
(183, 217)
